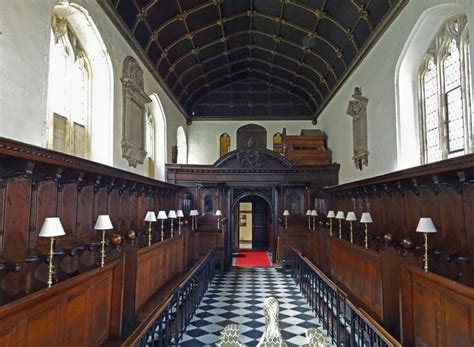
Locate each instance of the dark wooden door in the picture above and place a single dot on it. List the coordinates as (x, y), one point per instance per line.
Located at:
(259, 225)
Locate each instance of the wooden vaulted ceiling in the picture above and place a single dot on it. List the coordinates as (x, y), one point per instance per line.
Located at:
(252, 59)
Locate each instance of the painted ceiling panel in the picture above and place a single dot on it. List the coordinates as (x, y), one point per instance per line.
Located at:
(257, 59)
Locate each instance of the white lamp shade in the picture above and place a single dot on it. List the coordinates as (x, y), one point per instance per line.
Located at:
(351, 216)
(218, 213)
(150, 216)
(179, 214)
(172, 214)
(51, 228)
(162, 215)
(193, 213)
(331, 214)
(103, 223)
(314, 213)
(340, 215)
(366, 218)
(425, 225)
(308, 213)
(286, 213)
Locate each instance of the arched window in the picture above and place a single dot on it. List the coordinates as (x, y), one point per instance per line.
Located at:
(224, 144)
(444, 93)
(150, 144)
(80, 100)
(160, 144)
(182, 146)
(277, 143)
(69, 91)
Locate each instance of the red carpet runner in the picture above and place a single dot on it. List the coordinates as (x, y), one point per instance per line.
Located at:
(252, 258)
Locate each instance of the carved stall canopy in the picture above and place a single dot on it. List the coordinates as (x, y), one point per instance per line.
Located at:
(36, 183)
(258, 59)
(134, 112)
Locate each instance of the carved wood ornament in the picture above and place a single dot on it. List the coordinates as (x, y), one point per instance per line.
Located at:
(357, 109)
(134, 112)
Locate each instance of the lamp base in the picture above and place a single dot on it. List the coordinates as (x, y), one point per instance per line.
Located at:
(102, 251)
(50, 264)
(149, 235)
(425, 256)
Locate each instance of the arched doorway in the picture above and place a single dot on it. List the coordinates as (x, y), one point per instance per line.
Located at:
(253, 223)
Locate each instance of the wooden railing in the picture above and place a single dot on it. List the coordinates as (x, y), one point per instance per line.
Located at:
(165, 325)
(345, 324)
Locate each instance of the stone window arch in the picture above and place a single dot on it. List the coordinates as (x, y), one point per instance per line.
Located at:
(444, 94)
(412, 70)
(155, 108)
(80, 88)
(182, 146)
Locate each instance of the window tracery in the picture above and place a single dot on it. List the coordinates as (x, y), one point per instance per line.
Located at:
(444, 89)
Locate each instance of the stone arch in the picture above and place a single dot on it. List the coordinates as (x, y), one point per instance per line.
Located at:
(182, 146)
(156, 109)
(101, 114)
(406, 81)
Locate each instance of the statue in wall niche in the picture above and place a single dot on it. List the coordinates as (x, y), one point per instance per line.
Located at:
(357, 109)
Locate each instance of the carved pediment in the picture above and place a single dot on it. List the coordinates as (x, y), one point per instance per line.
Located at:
(253, 158)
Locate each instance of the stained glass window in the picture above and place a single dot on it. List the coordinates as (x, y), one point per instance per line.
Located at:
(445, 84)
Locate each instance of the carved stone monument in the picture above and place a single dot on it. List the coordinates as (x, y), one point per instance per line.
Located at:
(357, 109)
(134, 112)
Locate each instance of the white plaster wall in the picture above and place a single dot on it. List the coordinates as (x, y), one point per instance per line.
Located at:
(203, 136)
(376, 75)
(24, 53)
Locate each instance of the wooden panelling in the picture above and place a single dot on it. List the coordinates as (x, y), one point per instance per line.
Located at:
(80, 311)
(39, 183)
(359, 272)
(468, 220)
(293, 238)
(435, 310)
(158, 264)
(75, 326)
(85, 214)
(205, 241)
(17, 214)
(442, 191)
(67, 212)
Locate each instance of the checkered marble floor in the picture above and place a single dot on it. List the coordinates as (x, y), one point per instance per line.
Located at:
(237, 297)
